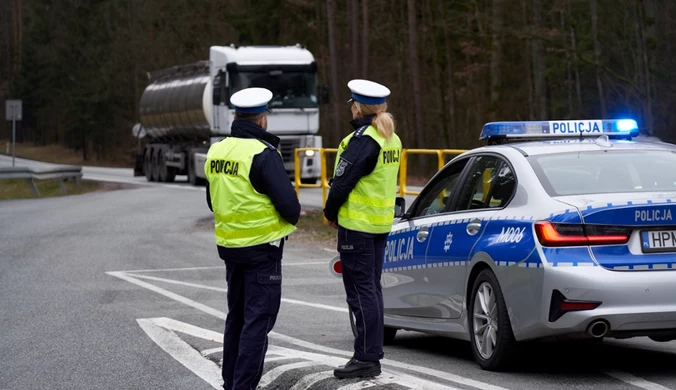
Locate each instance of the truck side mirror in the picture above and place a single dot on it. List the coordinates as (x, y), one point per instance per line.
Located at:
(218, 88)
(399, 207)
(324, 94)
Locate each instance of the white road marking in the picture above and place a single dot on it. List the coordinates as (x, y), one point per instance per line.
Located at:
(330, 250)
(309, 380)
(622, 376)
(305, 344)
(220, 289)
(169, 294)
(635, 381)
(173, 269)
(172, 281)
(208, 352)
(183, 353)
(276, 372)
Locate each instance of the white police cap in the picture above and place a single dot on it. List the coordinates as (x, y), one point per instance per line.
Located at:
(251, 100)
(368, 92)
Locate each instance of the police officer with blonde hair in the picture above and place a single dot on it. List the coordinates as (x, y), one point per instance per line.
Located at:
(361, 206)
(255, 209)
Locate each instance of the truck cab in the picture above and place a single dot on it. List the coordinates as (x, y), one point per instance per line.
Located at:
(290, 72)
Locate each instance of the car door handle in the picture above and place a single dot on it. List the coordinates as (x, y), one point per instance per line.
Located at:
(422, 234)
(473, 227)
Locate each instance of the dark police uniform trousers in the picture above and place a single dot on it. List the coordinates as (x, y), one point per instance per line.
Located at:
(254, 295)
(361, 255)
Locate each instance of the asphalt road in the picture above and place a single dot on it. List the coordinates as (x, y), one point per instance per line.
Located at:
(124, 290)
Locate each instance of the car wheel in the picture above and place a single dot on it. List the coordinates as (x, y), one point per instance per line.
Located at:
(389, 335)
(491, 333)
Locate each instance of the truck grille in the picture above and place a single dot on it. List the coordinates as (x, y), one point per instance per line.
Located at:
(286, 147)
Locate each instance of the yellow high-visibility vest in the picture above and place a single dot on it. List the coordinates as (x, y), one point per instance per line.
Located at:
(243, 216)
(370, 206)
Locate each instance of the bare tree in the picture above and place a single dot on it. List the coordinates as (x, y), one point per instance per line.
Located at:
(539, 69)
(415, 77)
(573, 43)
(331, 19)
(597, 57)
(353, 16)
(364, 37)
(496, 53)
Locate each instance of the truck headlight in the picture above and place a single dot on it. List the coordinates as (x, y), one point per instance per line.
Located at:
(309, 153)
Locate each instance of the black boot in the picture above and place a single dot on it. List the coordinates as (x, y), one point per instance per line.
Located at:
(355, 368)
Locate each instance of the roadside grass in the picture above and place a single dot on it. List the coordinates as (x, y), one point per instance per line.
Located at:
(312, 230)
(19, 188)
(59, 154)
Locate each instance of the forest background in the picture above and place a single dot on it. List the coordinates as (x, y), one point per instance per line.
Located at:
(80, 66)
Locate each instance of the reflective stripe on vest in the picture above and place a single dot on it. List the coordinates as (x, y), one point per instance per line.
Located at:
(243, 217)
(370, 205)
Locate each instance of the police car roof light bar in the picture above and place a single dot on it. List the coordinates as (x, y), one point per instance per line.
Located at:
(625, 128)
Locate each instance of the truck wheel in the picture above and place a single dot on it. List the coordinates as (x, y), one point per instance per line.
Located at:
(161, 165)
(490, 329)
(147, 166)
(171, 174)
(155, 176)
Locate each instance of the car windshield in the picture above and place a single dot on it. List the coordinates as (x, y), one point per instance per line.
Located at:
(603, 172)
(289, 89)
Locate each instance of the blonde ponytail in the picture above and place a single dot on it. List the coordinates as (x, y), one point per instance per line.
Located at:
(383, 122)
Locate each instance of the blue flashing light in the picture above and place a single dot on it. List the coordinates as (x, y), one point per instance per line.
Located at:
(559, 129)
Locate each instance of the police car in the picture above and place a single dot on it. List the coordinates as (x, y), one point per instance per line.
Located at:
(555, 229)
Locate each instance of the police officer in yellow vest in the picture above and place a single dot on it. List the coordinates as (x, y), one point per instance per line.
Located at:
(255, 208)
(361, 206)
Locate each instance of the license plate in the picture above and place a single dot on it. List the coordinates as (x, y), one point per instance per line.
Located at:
(658, 241)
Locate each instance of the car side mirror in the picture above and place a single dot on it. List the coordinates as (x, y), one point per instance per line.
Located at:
(399, 207)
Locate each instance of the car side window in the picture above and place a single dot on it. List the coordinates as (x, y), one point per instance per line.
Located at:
(436, 197)
(489, 184)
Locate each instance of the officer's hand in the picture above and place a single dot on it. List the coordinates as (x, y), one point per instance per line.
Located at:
(333, 224)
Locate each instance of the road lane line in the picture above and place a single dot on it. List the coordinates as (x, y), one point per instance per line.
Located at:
(309, 380)
(179, 298)
(211, 267)
(276, 372)
(635, 381)
(306, 344)
(220, 289)
(173, 269)
(181, 283)
(184, 353)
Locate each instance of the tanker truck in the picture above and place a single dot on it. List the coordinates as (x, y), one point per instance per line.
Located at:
(186, 108)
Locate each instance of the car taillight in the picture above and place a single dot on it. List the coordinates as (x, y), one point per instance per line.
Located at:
(555, 234)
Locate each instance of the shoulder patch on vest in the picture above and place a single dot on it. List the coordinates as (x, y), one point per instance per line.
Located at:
(360, 131)
(342, 166)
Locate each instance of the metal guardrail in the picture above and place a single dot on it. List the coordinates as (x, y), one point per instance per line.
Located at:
(403, 167)
(61, 172)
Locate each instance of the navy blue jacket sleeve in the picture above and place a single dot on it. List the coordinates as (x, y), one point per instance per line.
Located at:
(209, 198)
(360, 157)
(268, 176)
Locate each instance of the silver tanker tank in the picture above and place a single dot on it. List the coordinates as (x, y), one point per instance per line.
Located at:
(176, 105)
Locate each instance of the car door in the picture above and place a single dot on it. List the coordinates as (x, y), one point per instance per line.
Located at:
(405, 289)
(452, 241)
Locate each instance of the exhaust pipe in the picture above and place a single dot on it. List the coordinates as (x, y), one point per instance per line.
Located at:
(598, 329)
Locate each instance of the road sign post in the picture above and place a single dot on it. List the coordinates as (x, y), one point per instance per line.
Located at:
(13, 113)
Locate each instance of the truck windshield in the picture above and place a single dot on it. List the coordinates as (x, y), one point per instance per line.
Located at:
(579, 173)
(289, 89)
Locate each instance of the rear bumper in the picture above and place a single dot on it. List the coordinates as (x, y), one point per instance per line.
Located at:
(634, 303)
